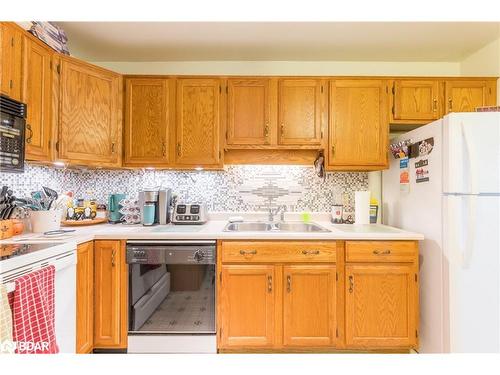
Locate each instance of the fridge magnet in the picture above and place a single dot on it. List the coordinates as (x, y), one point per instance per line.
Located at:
(425, 147)
(422, 171)
(404, 175)
(400, 149)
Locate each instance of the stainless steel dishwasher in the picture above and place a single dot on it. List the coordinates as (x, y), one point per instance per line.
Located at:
(171, 296)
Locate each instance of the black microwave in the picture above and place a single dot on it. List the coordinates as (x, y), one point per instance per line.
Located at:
(12, 125)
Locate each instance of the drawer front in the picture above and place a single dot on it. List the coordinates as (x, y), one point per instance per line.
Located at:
(381, 251)
(281, 252)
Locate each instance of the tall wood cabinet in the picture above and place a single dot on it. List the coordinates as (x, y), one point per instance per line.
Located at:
(148, 121)
(90, 114)
(11, 51)
(110, 295)
(359, 127)
(37, 94)
(466, 95)
(198, 123)
(300, 111)
(85, 298)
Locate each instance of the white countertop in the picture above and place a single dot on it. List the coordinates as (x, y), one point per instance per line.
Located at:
(214, 230)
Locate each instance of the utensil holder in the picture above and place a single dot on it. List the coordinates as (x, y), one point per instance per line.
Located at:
(44, 221)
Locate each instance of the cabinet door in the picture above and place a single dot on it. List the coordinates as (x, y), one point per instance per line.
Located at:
(249, 115)
(299, 112)
(309, 305)
(465, 96)
(359, 128)
(11, 54)
(90, 114)
(198, 123)
(248, 307)
(110, 278)
(381, 306)
(85, 298)
(37, 94)
(416, 100)
(147, 123)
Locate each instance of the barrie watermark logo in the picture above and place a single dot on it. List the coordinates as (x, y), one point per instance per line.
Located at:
(8, 346)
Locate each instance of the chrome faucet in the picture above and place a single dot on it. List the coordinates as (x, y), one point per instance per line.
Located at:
(279, 210)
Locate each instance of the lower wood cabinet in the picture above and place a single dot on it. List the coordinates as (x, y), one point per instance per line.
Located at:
(309, 302)
(381, 302)
(110, 295)
(85, 298)
(248, 306)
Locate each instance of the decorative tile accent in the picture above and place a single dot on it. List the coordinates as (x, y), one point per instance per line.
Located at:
(237, 188)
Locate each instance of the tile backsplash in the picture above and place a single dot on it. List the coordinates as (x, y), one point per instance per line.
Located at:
(236, 188)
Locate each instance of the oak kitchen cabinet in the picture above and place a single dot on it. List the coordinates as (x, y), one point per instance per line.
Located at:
(37, 94)
(110, 298)
(250, 121)
(381, 294)
(300, 111)
(148, 121)
(89, 114)
(277, 294)
(466, 95)
(85, 298)
(11, 44)
(416, 101)
(358, 125)
(198, 123)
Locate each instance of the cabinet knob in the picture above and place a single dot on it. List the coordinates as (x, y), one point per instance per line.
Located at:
(178, 149)
(288, 283)
(282, 131)
(351, 284)
(266, 130)
(435, 105)
(28, 138)
(163, 149)
(269, 283)
(450, 104)
(113, 147)
(113, 254)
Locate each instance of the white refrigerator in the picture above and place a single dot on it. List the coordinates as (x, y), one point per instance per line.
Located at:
(453, 198)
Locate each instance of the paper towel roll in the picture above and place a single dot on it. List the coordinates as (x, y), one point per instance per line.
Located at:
(362, 207)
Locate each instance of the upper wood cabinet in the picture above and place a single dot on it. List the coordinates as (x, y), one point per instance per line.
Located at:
(247, 306)
(37, 94)
(85, 298)
(415, 101)
(309, 302)
(147, 121)
(466, 95)
(299, 111)
(110, 296)
(11, 37)
(90, 114)
(359, 128)
(249, 111)
(198, 123)
(381, 306)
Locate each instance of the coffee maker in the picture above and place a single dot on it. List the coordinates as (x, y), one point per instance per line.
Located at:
(155, 206)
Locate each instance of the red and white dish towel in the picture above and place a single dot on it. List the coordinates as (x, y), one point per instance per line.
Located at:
(33, 312)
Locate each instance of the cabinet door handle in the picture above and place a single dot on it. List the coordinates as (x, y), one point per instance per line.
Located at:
(333, 150)
(310, 252)
(282, 132)
(435, 105)
(351, 284)
(269, 283)
(178, 149)
(248, 252)
(163, 149)
(381, 252)
(266, 131)
(113, 254)
(450, 104)
(113, 147)
(288, 283)
(11, 84)
(28, 138)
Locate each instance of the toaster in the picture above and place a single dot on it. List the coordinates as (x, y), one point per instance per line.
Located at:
(190, 213)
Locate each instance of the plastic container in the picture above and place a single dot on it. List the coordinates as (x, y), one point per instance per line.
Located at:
(44, 221)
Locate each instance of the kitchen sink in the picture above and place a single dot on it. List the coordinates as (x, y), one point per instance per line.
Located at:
(259, 226)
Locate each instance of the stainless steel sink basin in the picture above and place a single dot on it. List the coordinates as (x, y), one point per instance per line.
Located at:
(258, 226)
(300, 227)
(247, 227)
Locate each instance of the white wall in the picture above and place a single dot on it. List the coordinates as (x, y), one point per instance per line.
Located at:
(354, 68)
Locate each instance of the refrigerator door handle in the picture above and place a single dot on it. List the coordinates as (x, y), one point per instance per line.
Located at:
(470, 230)
(471, 160)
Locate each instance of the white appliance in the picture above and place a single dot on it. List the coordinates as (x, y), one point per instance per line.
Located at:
(29, 257)
(458, 212)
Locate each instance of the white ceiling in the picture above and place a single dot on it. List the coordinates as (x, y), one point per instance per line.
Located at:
(275, 41)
